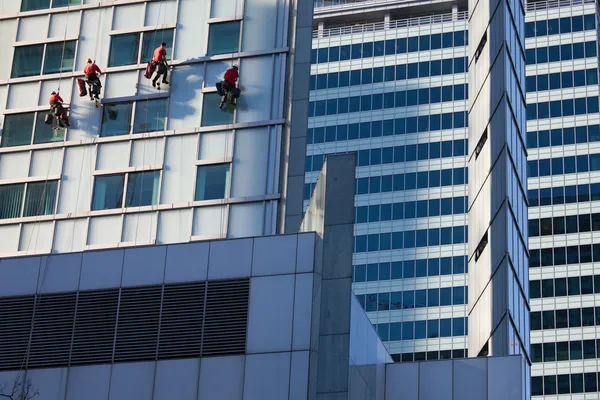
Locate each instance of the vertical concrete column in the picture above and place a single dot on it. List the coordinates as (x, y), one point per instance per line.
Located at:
(321, 28)
(386, 20)
(293, 140)
(454, 11)
(498, 255)
(331, 214)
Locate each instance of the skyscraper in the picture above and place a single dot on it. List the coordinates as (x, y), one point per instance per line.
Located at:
(389, 80)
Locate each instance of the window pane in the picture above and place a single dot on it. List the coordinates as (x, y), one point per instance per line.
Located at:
(224, 38)
(64, 3)
(212, 182)
(152, 39)
(116, 119)
(27, 61)
(17, 129)
(108, 192)
(41, 198)
(10, 200)
(31, 5)
(211, 114)
(59, 57)
(150, 115)
(44, 133)
(142, 189)
(124, 49)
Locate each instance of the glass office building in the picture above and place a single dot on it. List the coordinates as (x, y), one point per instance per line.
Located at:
(394, 89)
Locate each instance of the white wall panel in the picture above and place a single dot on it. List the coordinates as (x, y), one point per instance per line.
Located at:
(147, 152)
(177, 379)
(185, 106)
(132, 381)
(128, 17)
(256, 82)
(52, 382)
(251, 158)
(192, 29)
(70, 235)
(221, 377)
(174, 226)
(270, 322)
(10, 7)
(179, 169)
(36, 236)
(10, 238)
(76, 183)
(8, 32)
(246, 220)
(105, 230)
(46, 162)
(19, 276)
(209, 221)
(85, 118)
(14, 165)
(216, 145)
(24, 95)
(140, 227)
(66, 91)
(90, 382)
(121, 84)
(89, 44)
(267, 376)
(215, 71)
(258, 35)
(112, 156)
(161, 13)
(33, 28)
(58, 23)
(226, 8)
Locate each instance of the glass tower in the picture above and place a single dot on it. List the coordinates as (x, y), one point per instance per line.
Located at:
(394, 89)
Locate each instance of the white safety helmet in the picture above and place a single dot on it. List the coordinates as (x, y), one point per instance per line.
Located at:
(235, 66)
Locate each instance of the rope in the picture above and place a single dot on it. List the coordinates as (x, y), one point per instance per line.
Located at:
(42, 203)
(154, 34)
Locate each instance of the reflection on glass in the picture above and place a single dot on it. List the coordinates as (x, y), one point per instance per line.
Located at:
(150, 115)
(142, 189)
(116, 119)
(211, 114)
(31, 5)
(27, 61)
(224, 38)
(108, 192)
(17, 130)
(212, 182)
(59, 57)
(41, 198)
(124, 50)
(10, 200)
(153, 39)
(65, 3)
(44, 133)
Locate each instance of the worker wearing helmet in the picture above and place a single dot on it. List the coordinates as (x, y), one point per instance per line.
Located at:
(92, 72)
(229, 83)
(56, 103)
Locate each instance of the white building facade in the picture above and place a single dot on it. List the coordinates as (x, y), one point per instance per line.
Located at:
(149, 166)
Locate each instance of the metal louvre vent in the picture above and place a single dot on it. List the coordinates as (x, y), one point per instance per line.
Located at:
(16, 314)
(181, 321)
(226, 318)
(52, 330)
(129, 324)
(137, 328)
(95, 325)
